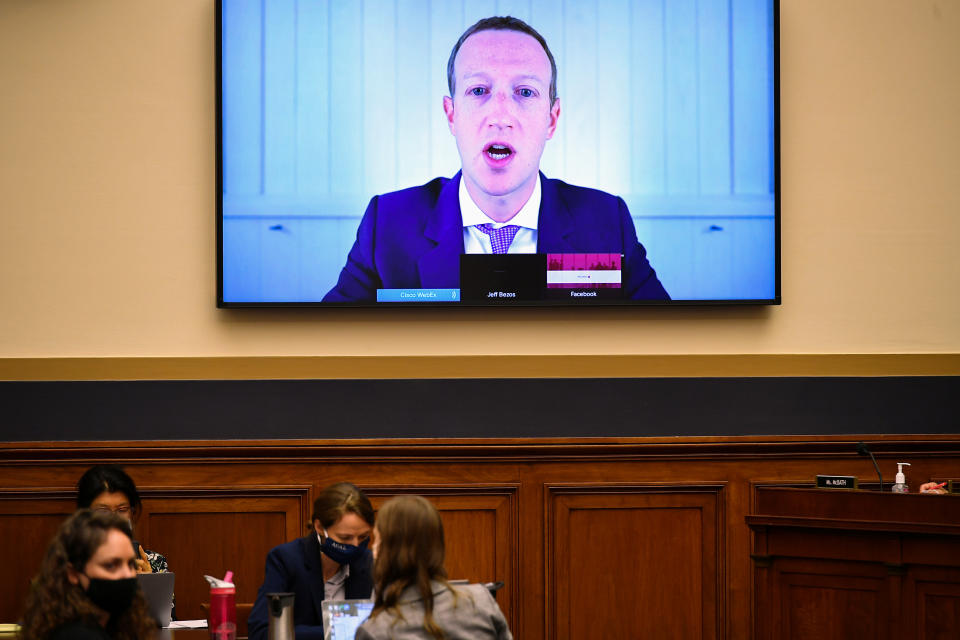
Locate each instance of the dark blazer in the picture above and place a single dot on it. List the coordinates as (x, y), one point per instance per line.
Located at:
(413, 239)
(295, 568)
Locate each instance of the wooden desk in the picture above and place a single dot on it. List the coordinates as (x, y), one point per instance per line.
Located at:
(162, 634)
(186, 634)
(183, 634)
(836, 564)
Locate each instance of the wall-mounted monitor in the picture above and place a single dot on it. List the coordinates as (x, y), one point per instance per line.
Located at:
(404, 153)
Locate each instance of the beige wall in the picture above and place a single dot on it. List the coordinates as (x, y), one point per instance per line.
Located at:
(107, 200)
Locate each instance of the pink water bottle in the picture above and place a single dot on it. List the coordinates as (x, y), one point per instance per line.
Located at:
(223, 608)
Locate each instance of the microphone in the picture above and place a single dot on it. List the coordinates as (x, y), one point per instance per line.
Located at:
(862, 450)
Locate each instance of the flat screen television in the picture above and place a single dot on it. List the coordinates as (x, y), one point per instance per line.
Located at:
(356, 166)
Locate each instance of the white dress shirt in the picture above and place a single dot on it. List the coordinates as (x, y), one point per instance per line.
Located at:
(336, 587)
(476, 241)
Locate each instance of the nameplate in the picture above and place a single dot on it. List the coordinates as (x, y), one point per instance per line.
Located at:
(836, 482)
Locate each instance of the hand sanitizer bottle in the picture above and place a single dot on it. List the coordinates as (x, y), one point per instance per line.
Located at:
(900, 486)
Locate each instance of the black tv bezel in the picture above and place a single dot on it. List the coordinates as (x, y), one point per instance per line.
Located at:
(564, 304)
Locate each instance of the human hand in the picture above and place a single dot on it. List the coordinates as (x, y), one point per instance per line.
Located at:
(933, 487)
(143, 562)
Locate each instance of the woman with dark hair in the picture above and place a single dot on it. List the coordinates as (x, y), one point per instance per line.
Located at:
(414, 600)
(108, 488)
(331, 562)
(87, 586)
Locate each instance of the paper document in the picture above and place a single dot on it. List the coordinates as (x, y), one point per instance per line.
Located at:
(187, 624)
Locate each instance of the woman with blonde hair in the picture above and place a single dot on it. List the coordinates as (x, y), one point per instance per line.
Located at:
(413, 598)
(87, 586)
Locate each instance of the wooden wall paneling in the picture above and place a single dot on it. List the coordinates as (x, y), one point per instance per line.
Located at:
(28, 521)
(736, 615)
(841, 564)
(761, 587)
(931, 598)
(504, 485)
(831, 600)
(209, 530)
(761, 591)
(480, 529)
(640, 561)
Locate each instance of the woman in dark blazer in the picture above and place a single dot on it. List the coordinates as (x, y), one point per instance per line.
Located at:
(414, 601)
(332, 562)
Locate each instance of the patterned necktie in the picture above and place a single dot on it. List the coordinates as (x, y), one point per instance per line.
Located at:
(501, 238)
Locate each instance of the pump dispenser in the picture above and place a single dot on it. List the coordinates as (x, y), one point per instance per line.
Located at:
(900, 486)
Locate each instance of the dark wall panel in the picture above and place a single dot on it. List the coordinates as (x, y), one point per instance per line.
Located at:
(147, 410)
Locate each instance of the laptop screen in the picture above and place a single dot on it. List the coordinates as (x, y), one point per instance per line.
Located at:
(342, 617)
(158, 592)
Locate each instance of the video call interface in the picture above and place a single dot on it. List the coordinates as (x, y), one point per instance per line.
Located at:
(356, 169)
(346, 617)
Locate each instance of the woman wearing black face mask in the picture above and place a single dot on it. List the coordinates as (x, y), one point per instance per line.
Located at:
(331, 562)
(87, 586)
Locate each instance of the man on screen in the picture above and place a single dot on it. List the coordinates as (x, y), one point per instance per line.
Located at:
(502, 109)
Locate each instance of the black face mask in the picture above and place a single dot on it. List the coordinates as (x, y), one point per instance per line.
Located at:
(113, 596)
(340, 552)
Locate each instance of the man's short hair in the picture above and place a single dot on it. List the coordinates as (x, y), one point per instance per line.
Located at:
(504, 23)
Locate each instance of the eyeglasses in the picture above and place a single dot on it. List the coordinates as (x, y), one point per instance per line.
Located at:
(122, 510)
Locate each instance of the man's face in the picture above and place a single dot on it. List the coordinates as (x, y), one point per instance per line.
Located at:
(500, 112)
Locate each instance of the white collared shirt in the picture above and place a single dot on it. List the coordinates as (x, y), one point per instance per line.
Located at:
(336, 587)
(476, 241)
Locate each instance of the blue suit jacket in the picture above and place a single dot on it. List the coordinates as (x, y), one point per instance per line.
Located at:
(295, 568)
(413, 239)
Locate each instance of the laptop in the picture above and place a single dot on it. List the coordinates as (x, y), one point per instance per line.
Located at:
(158, 592)
(342, 617)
